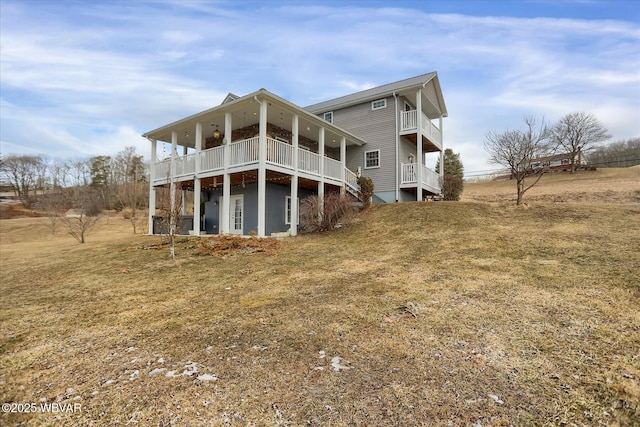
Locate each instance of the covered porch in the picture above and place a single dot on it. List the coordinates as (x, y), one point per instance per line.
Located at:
(258, 134)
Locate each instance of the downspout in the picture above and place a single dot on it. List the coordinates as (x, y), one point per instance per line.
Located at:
(395, 106)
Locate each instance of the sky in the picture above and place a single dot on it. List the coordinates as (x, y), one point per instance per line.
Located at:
(84, 78)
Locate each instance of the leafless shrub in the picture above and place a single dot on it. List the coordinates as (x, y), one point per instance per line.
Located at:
(315, 216)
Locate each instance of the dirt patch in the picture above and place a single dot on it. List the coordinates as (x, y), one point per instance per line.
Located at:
(234, 245)
(12, 209)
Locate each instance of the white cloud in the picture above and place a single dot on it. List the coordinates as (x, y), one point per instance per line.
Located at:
(90, 76)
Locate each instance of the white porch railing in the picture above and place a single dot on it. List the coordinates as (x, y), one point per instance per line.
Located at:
(430, 178)
(351, 179)
(279, 153)
(186, 165)
(409, 175)
(332, 168)
(409, 122)
(308, 162)
(163, 169)
(212, 159)
(246, 152)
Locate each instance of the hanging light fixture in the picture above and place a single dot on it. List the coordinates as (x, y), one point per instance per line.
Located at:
(216, 133)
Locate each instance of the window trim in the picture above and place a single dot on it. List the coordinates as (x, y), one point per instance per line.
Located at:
(374, 108)
(330, 114)
(365, 159)
(287, 211)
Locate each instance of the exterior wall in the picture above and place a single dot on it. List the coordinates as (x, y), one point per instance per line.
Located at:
(407, 196)
(378, 128)
(276, 195)
(250, 206)
(407, 148)
(430, 92)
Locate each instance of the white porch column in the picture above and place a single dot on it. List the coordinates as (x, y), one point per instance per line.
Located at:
(321, 182)
(442, 150)
(152, 189)
(294, 177)
(184, 168)
(228, 128)
(226, 179)
(294, 205)
(262, 170)
(197, 184)
(294, 141)
(420, 156)
(343, 160)
(172, 179)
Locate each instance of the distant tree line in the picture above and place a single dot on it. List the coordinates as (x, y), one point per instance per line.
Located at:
(619, 154)
(87, 185)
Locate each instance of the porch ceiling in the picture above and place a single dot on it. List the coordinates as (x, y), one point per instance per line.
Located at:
(245, 111)
(427, 146)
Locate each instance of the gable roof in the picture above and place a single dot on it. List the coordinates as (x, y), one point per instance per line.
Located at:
(402, 86)
(230, 97)
(248, 103)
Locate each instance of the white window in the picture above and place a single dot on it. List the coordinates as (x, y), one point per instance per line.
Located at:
(328, 116)
(379, 104)
(407, 106)
(287, 211)
(372, 159)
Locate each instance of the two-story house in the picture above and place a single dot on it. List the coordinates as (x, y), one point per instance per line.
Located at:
(401, 123)
(249, 161)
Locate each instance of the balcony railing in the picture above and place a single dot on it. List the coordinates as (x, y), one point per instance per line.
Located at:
(409, 123)
(246, 153)
(409, 175)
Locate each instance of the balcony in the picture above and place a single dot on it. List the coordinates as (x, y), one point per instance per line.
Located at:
(245, 155)
(409, 177)
(409, 125)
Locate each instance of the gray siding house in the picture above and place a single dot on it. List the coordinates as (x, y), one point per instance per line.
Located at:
(249, 161)
(401, 123)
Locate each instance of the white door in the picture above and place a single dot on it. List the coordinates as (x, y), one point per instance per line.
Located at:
(236, 213)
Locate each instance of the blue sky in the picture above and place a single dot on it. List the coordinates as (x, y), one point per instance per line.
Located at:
(82, 78)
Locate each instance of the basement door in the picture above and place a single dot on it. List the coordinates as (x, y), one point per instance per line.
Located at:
(236, 213)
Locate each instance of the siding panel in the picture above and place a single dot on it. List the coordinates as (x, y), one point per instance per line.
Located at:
(378, 129)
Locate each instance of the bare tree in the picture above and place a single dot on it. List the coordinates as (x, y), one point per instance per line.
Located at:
(51, 202)
(79, 225)
(84, 198)
(129, 174)
(517, 150)
(170, 205)
(577, 133)
(25, 175)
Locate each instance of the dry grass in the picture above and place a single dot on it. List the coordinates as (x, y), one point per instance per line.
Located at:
(516, 317)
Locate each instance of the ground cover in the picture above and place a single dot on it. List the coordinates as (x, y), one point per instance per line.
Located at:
(444, 313)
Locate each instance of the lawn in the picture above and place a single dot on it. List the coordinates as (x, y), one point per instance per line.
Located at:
(438, 314)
